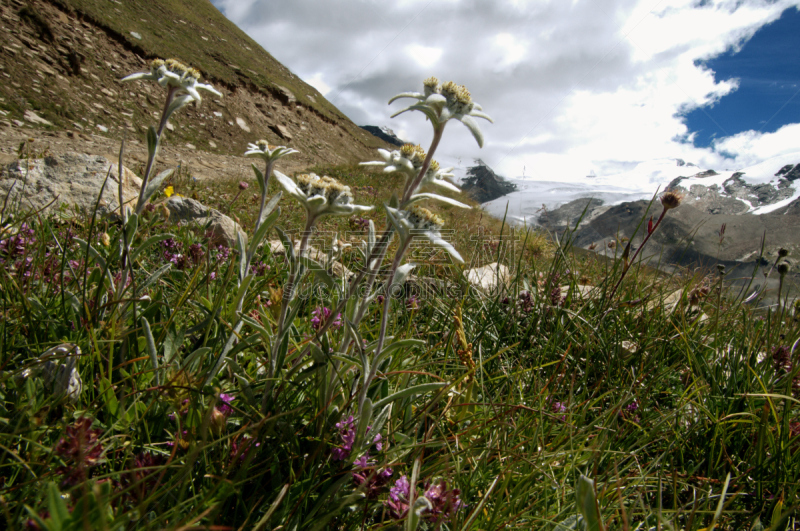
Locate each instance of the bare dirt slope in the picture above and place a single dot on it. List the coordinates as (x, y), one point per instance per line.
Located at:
(61, 61)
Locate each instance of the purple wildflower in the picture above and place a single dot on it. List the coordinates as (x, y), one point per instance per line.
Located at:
(222, 253)
(348, 435)
(558, 408)
(196, 253)
(444, 502)
(398, 498)
(225, 404)
(363, 461)
(526, 301)
(259, 269)
(80, 449)
(412, 303)
(321, 315)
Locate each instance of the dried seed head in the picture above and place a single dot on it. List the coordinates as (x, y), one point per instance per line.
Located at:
(783, 253)
(671, 200)
(783, 268)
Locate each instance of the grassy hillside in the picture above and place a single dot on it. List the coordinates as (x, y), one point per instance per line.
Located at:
(63, 60)
(198, 34)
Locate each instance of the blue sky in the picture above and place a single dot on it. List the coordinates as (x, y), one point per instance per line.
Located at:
(768, 70)
(573, 86)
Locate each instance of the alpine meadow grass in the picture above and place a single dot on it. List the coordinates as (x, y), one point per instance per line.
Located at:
(154, 380)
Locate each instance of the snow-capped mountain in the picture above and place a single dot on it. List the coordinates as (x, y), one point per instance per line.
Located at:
(759, 189)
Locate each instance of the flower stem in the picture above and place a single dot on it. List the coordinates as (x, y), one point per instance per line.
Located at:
(633, 259)
(267, 173)
(373, 370)
(438, 132)
(152, 157)
(288, 294)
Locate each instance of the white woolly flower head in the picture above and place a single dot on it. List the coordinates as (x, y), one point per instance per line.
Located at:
(321, 196)
(173, 73)
(441, 103)
(418, 222)
(268, 152)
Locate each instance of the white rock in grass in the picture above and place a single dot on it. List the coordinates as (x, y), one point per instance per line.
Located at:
(223, 229)
(243, 125)
(57, 367)
(35, 118)
(491, 278)
(70, 179)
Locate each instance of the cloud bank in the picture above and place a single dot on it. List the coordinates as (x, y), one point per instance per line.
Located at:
(574, 86)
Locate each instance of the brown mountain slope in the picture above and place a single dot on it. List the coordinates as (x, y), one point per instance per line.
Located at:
(62, 59)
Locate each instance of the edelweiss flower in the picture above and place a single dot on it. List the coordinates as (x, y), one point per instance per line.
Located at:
(408, 161)
(440, 103)
(420, 222)
(175, 74)
(268, 153)
(321, 196)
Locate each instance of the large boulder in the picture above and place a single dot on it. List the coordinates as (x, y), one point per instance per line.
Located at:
(71, 180)
(221, 227)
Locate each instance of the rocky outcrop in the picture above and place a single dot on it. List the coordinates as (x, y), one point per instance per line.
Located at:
(484, 185)
(570, 214)
(222, 229)
(67, 182)
(735, 195)
(384, 133)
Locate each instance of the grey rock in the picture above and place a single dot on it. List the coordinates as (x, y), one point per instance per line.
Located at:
(735, 196)
(789, 172)
(222, 228)
(69, 179)
(484, 185)
(242, 125)
(35, 118)
(568, 215)
(335, 268)
(384, 133)
(284, 95)
(281, 131)
(57, 368)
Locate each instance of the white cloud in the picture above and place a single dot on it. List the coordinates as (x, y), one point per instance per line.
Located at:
(425, 56)
(573, 86)
(318, 83)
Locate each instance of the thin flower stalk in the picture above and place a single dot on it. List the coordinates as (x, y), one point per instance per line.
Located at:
(669, 200)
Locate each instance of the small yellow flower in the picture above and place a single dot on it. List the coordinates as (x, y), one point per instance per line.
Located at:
(105, 239)
(169, 191)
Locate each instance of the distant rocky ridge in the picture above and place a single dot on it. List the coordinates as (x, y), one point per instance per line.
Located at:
(735, 195)
(483, 184)
(384, 133)
(721, 220)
